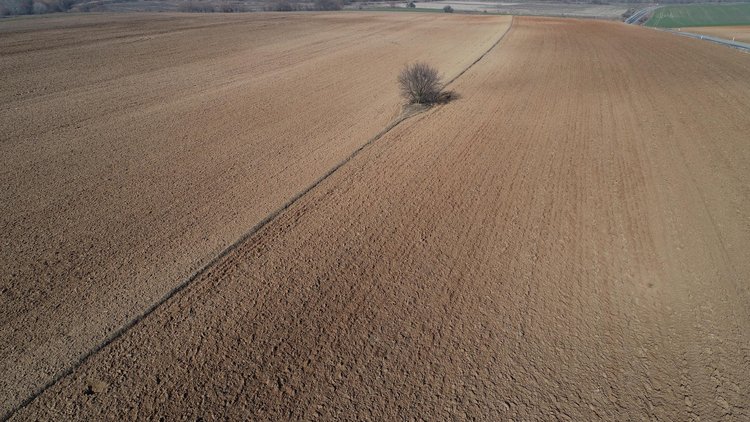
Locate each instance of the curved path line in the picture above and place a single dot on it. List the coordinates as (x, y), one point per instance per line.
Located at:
(213, 261)
(512, 20)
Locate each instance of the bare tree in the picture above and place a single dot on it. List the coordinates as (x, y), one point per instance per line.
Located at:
(420, 83)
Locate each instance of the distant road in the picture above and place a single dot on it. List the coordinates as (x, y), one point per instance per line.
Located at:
(636, 17)
(734, 44)
(639, 14)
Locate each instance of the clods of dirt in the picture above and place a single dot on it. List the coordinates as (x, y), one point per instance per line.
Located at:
(95, 387)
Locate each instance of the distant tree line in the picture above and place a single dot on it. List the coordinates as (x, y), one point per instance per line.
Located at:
(32, 7)
(296, 5)
(38, 7)
(205, 7)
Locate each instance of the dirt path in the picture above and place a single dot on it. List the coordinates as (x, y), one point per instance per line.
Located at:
(134, 148)
(566, 240)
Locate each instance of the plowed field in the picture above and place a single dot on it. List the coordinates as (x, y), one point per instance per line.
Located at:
(568, 239)
(134, 148)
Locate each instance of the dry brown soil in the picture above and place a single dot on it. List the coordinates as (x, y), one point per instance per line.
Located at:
(134, 148)
(739, 33)
(567, 240)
